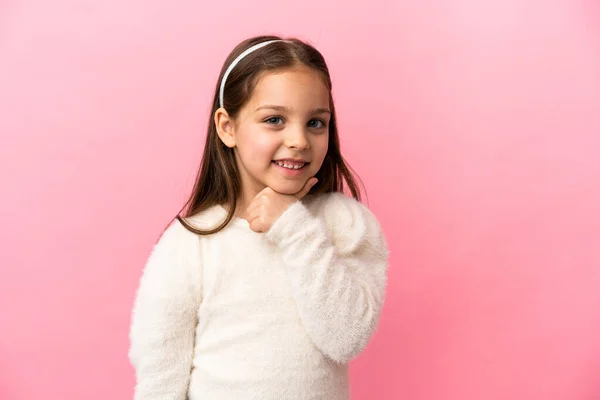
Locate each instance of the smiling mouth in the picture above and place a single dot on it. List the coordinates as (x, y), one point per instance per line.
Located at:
(293, 165)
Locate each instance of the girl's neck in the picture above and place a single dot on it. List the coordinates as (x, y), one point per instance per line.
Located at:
(247, 196)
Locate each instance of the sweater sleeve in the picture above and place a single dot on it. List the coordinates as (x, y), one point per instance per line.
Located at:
(164, 317)
(337, 264)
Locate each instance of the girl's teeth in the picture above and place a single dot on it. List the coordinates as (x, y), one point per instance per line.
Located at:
(290, 166)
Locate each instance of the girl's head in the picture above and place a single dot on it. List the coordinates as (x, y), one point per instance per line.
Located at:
(277, 115)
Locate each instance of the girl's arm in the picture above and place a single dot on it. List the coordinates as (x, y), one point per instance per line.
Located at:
(337, 265)
(165, 316)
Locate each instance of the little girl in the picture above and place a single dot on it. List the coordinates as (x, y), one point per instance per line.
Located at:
(273, 279)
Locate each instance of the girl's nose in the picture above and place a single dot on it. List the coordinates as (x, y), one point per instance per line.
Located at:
(296, 139)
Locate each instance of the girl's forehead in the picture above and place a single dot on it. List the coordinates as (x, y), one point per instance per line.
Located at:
(303, 87)
(296, 75)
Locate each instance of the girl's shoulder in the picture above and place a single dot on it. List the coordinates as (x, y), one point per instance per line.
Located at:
(207, 219)
(178, 236)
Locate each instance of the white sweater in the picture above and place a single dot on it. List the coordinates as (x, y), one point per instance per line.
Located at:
(269, 316)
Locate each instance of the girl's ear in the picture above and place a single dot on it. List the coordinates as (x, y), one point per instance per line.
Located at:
(225, 127)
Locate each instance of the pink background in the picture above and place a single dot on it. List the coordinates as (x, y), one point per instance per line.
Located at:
(475, 126)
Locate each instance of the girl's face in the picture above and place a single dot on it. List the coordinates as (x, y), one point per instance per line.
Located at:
(281, 135)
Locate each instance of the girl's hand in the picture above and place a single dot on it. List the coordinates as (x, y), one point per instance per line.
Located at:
(268, 205)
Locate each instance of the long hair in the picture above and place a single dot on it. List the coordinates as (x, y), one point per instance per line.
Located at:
(218, 180)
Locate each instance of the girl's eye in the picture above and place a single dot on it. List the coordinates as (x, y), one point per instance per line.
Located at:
(316, 123)
(274, 120)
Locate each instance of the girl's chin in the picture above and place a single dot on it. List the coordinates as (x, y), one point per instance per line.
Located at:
(289, 188)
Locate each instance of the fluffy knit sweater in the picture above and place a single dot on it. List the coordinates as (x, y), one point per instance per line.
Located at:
(246, 315)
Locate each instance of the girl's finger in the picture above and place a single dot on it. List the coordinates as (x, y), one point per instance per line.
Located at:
(252, 207)
(262, 192)
(254, 222)
(307, 186)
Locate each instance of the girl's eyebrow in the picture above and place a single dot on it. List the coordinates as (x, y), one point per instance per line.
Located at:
(284, 109)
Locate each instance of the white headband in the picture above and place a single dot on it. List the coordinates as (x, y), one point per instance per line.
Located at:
(236, 61)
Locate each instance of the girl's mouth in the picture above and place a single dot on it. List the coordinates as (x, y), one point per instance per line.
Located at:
(291, 168)
(294, 165)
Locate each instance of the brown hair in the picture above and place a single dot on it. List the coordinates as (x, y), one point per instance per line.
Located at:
(218, 181)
